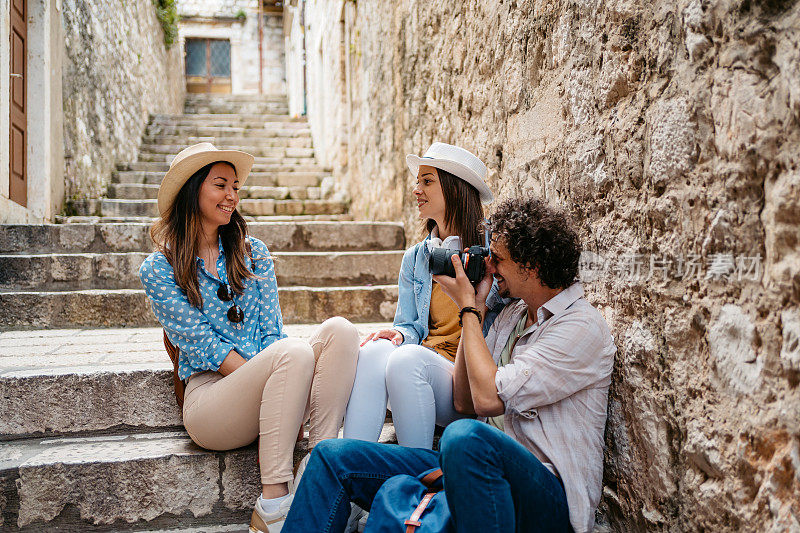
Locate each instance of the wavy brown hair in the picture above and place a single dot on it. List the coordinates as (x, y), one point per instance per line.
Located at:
(177, 233)
(539, 237)
(463, 211)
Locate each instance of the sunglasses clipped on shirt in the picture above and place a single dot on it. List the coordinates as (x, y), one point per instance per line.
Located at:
(235, 313)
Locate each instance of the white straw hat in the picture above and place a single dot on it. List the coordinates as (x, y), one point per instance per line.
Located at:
(190, 160)
(458, 162)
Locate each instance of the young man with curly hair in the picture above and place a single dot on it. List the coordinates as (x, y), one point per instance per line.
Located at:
(539, 382)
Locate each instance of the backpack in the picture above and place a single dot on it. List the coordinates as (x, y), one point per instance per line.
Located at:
(408, 504)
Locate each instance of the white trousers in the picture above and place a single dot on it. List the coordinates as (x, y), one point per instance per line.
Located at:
(416, 381)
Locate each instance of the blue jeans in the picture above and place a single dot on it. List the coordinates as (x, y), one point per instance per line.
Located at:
(492, 482)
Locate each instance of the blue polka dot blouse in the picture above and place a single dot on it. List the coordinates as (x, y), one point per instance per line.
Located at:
(206, 336)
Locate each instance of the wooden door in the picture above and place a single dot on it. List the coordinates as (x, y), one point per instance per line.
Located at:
(18, 190)
(208, 66)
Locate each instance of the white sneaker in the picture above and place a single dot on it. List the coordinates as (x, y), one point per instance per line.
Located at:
(262, 522)
(301, 468)
(356, 514)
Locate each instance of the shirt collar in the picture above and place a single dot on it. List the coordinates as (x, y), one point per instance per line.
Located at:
(562, 300)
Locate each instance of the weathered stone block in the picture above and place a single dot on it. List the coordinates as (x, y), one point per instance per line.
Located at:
(125, 237)
(241, 480)
(337, 268)
(70, 267)
(75, 237)
(672, 141)
(289, 207)
(790, 347)
(113, 480)
(258, 207)
(76, 399)
(730, 341)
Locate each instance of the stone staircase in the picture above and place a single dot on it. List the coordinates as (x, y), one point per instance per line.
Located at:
(285, 181)
(90, 435)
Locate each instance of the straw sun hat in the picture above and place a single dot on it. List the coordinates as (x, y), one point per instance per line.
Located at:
(457, 161)
(190, 160)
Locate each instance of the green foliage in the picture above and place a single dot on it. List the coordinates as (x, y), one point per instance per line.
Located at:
(167, 13)
(241, 15)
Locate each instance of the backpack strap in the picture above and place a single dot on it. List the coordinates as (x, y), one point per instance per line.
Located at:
(174, 353)
(413, 521)
(431, 478)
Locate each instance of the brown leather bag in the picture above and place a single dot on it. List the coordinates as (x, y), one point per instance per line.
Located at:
(173, 353)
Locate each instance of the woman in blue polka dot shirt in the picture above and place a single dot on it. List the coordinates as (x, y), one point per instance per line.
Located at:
(213, 289)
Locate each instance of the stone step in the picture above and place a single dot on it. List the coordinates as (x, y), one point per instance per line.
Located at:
(244, 141)
(63, 272)
(118, 482)
(130, 482)
(212, 97)
(259, 151)
(279, 132)
(231, 119)
(308, 178)
(227, 528)
(146, 157)
(130, 308)
(93, 380)
(281, 166)
(237, 108)
(107, 207)
(144, 191)
(60, 219)
(278, 236)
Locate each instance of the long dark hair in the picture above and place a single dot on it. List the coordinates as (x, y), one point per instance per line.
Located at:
(463, 211)
(176, 235)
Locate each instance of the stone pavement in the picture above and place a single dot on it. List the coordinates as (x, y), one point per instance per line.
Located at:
(91, 438)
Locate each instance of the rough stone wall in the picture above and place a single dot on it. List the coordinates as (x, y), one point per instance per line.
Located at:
(116, 72)
(214, 8)
(327, 100)
(670, 131)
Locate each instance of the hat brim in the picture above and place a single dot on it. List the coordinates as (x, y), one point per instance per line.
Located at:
(455, 168)
(179, 174)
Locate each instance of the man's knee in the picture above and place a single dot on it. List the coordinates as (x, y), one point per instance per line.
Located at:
(338, 454)
(464, 437)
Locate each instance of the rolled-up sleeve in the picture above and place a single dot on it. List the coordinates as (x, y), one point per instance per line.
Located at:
(406, 315)
(566, 358)
(270, 318)
(185, 325)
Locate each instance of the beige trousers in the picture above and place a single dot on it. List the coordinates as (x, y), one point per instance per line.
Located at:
(272, 394)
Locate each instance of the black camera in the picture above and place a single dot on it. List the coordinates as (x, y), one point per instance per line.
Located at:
(440, 262)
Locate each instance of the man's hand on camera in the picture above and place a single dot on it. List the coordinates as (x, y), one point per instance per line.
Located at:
(390, 334)
(483, 288)
(459, 289)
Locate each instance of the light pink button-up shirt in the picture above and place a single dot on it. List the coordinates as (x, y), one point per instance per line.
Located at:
(555, 390)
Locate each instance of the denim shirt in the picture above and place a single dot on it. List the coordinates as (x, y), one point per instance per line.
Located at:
(206, 336)
(414, 296)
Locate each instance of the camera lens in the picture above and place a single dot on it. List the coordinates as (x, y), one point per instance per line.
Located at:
(440, 262)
